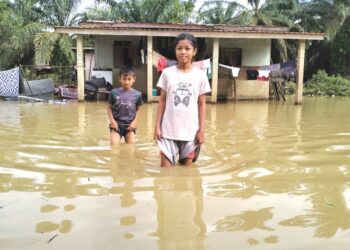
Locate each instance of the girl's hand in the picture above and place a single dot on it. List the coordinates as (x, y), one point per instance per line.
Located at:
(157, 134)
(200, 137)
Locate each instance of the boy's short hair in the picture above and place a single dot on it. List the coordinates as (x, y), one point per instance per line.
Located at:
(126, 70)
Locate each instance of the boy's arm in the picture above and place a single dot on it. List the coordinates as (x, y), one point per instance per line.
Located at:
(133, 124)
(112, 122)
(201, 119)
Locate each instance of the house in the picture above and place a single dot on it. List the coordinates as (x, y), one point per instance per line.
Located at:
(246, 47)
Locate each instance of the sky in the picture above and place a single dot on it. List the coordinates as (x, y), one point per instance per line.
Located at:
(89, 3)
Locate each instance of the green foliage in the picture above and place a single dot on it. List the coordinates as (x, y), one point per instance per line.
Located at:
(290, 88)
(16, 40)
(340, 50)
(158, 11)
(219, 12)
(323, 85)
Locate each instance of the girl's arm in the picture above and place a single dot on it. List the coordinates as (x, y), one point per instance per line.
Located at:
(201, 119)
(160, 112)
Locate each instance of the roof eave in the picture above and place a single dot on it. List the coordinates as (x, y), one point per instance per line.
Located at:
(205, 34)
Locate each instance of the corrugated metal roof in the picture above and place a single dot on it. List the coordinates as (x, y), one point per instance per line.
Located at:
(166, 27)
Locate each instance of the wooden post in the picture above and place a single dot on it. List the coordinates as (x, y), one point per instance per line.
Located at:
(300, 72)
(215, 72)
(80, 68)
(149, 68)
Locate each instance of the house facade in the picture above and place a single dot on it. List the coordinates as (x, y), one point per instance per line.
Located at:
(233, 46)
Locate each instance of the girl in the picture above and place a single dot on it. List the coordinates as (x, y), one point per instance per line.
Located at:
(181, 110)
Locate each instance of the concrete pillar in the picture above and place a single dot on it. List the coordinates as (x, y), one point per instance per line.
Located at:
(149, 68)
(80, 68)
(215, 72)
(300, 72)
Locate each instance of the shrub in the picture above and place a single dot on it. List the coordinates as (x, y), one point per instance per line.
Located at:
(290, 88)
(323, 85)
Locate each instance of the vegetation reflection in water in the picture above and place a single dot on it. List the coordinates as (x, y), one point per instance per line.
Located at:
(269, 173)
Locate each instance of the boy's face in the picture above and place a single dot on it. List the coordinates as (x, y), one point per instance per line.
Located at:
(127, 81)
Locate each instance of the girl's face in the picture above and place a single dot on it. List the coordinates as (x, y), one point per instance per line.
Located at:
(185, 51)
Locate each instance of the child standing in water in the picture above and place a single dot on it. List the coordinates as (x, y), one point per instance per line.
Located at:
(181, 110)
(124, 104)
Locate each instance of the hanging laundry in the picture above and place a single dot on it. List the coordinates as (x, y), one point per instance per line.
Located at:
(204, 65)
(9, 82)
(161, 64)
(264, 75)
(207, 65)
(143, 56)
(252, 74)
(155, 57)
(271, 67)
(288, 69)
(234, 70)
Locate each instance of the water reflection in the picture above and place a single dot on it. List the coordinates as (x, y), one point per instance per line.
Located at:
(329, 213)
(268, 173)
(246, 221)
(179, 198)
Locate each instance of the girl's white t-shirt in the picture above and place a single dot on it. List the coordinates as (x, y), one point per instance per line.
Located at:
(180, 118)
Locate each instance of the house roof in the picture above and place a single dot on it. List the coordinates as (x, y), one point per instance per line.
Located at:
(198, 30)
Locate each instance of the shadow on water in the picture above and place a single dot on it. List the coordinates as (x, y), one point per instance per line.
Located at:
(268, 173)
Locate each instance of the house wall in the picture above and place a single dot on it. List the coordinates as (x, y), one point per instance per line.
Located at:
(255, 52)
(104, 52)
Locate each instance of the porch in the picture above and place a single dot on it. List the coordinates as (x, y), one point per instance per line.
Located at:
(243, 47)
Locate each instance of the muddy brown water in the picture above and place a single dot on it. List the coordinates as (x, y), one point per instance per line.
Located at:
(271, 175)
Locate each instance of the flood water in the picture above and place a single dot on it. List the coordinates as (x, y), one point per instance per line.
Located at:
(271, 175)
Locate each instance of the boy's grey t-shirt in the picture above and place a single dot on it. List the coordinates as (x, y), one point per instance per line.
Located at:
(124, 104)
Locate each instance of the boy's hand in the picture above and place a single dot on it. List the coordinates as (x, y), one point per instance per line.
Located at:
(132, 126)
(114, 124)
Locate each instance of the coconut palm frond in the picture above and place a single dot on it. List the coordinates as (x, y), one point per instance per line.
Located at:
(65, 45)
(44, 45)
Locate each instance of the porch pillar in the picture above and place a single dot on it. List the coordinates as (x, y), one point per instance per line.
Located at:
(80, 68)
(300, 72)
(149, 68)
(215, 72)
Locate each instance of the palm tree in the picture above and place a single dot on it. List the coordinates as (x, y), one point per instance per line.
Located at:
(219, 12)
(159, 11)
(269, 13)
(18, 25)
(50, 47)
(323, 16)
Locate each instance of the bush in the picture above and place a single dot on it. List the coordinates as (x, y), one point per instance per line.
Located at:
(323, 85)
(290, 88)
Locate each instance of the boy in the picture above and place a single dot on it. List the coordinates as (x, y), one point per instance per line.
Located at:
(124, 103)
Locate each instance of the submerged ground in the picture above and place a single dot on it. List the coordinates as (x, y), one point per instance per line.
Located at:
(271, 175)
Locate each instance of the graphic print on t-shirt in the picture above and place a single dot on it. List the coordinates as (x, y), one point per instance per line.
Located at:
(182, 94)
(124, 103)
